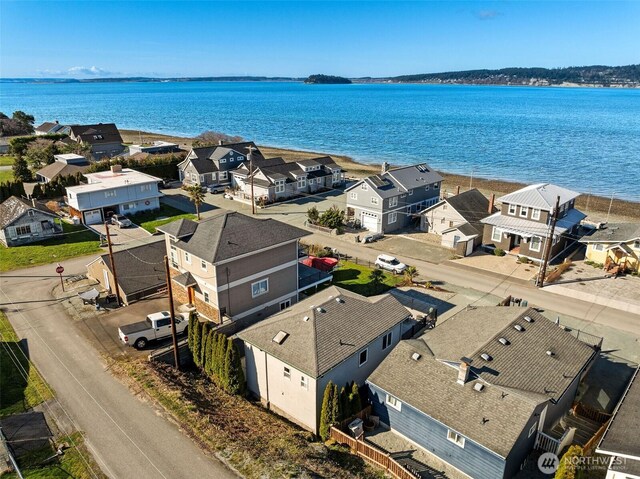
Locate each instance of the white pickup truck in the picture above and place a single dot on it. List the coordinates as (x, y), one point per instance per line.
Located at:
(155, 326)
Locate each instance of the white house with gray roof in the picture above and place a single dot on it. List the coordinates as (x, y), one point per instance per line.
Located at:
(334, 335)
(391, 200)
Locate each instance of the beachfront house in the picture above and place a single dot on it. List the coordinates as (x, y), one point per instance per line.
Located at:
(23, 222)
(616, 245)
(522, 226)
(103, 138)
(334, 335)
(118, 190)
(49, 128)
(484, 388)
(391, 200)
(155, 148)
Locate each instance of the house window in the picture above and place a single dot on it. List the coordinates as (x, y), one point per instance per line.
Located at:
(455, 438)
(393, 202)
(110, 193)
(512, 209)
(285, 304)
(231, 159)
(310, 181)
(223, 160)
(636, 244)
(194, 177)
(524, 211)
(374, 200)
(280, 186)
(535, 243)
(30, 213)
(535, 214)
(23, 230)
(187, 257)
(436, 186)
(599, 247)
(393, 217)
(533, 429)
(444, 207)
(145, 188)
(302, 182)
(286, 372)
(427, 188)
(259, 288)
(336, 177)
(203, 264)
(304, 383)
(206, 297)
(442, 220)
(353, 195)
(496, 234)
(393, 402)
(364, 186)
(386, 340)
(223, 175)
(364, 356)
(450, 224)
(410, 192)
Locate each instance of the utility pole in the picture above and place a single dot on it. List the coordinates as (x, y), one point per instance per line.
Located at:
(174, 336)
(253, 203)
(471, 178)
(548, 243)
(113, 263)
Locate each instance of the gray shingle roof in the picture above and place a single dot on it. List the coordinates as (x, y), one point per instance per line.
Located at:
(490, 417)
(527, 227)
(542, 195)
(621, 437)
(614, 233)
(523, 364)
(229, 234)
(139, 268)
(401, 180)
(108, 131)
(58, 168)
(13, 208)
(471, 205)
(328, 337)
(466, 229)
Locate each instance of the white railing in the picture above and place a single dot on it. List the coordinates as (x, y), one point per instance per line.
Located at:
(546, 443)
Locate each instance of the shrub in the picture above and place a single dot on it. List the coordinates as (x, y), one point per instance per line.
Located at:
(499, 252)
(523, 259)
(355, 402)
(313, 215)
(332, 218)
(233, 369)
(326, 412)
(197, 343)
(567, 469)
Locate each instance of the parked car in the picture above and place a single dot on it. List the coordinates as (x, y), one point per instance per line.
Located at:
(215, 189)
(121, 221)
(155, 326)
(390, 263)
(165, 183)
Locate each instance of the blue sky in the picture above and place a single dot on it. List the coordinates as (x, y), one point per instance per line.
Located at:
(180, 38)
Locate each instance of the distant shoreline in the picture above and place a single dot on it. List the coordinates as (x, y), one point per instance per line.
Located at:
(596, 206)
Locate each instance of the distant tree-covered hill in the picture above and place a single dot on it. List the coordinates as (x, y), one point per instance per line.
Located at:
(327, 79)
(590, 75)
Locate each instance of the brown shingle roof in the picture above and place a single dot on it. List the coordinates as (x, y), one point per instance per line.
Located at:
(13, 208)
(97, 134)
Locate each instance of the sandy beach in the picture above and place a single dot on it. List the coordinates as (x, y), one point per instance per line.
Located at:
(596, 207)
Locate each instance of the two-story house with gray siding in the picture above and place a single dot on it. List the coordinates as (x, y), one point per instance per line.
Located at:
(522, 227)
(104, 139)
(23, 222)
(390, 200)
(334, 335)
(483, 389)
(212, 165)
(234, 266)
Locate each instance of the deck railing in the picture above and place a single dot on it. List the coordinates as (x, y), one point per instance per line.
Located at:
(546, 443)
(588, 412)
(372, 455)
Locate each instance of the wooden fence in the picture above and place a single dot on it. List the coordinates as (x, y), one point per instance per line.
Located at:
(588, 412)
(372, 455)
(361, 415)
(590, 447)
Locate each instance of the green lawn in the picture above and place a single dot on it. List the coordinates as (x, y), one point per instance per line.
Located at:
(21, 386)
(149, 219)
(6, 160)
(355, 277)
(6, 175)
(77, 241)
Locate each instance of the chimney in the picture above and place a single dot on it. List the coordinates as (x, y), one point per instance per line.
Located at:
(491, 201)
(220, 142)
(458, 190)
(463, 370)
(385, 167)
(33, 202)
(116, 168)
(57, 122)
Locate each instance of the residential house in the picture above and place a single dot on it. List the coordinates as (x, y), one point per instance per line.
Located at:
(457, 220)
(119, 190)
(23, 222)
(389, 201)
(104, 139)
(155, 148)
(620, 440)
(275, 179)
(211, 165)
(233, 266)
(68, 164)
(140, 270)
(49, 128)
(522, 227)
(334, 335)
(482, 389)
(615, 244)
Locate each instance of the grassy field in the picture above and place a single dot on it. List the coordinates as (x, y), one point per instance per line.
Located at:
(6, 160)
(148, 219)
(355, 277)
(77, 241)
(6, 175)
(21, 386)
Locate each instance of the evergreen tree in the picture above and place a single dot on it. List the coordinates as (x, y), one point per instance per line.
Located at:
(345, 405)
(21, 171)
(336, 412)
(326, 411)
(233, 366)
(219, 358)
(206, 363)
(37, 191)
(355, 400)
(197, 335)
(191, 330)
(203, 342)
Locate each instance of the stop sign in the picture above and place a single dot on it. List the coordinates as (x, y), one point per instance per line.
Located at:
(59, 269)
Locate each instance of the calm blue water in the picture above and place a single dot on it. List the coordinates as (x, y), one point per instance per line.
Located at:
(584, 139)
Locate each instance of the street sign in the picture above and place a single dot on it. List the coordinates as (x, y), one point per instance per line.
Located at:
(59, 269)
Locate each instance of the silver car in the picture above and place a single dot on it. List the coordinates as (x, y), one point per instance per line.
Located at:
(120, 221)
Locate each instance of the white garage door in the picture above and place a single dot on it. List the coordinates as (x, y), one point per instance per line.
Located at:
(92, 217)
(370, 222)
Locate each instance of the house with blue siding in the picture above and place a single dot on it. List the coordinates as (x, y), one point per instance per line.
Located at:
(480, 390)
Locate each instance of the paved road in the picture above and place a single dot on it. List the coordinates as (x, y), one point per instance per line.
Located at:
(128, 437)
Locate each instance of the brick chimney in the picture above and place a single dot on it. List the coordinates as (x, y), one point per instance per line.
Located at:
(492, 200)
(463, 370)
(116, 169)
(458, 190)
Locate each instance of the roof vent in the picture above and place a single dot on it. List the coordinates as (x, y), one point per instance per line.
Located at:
(518, 327)
(320, 310)
(478, 387)
(339, 300)
(486, 357)
(550, 353)
(528, 319)
(280, 337)
(306, 318)
(416, 356)
(504, 341)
